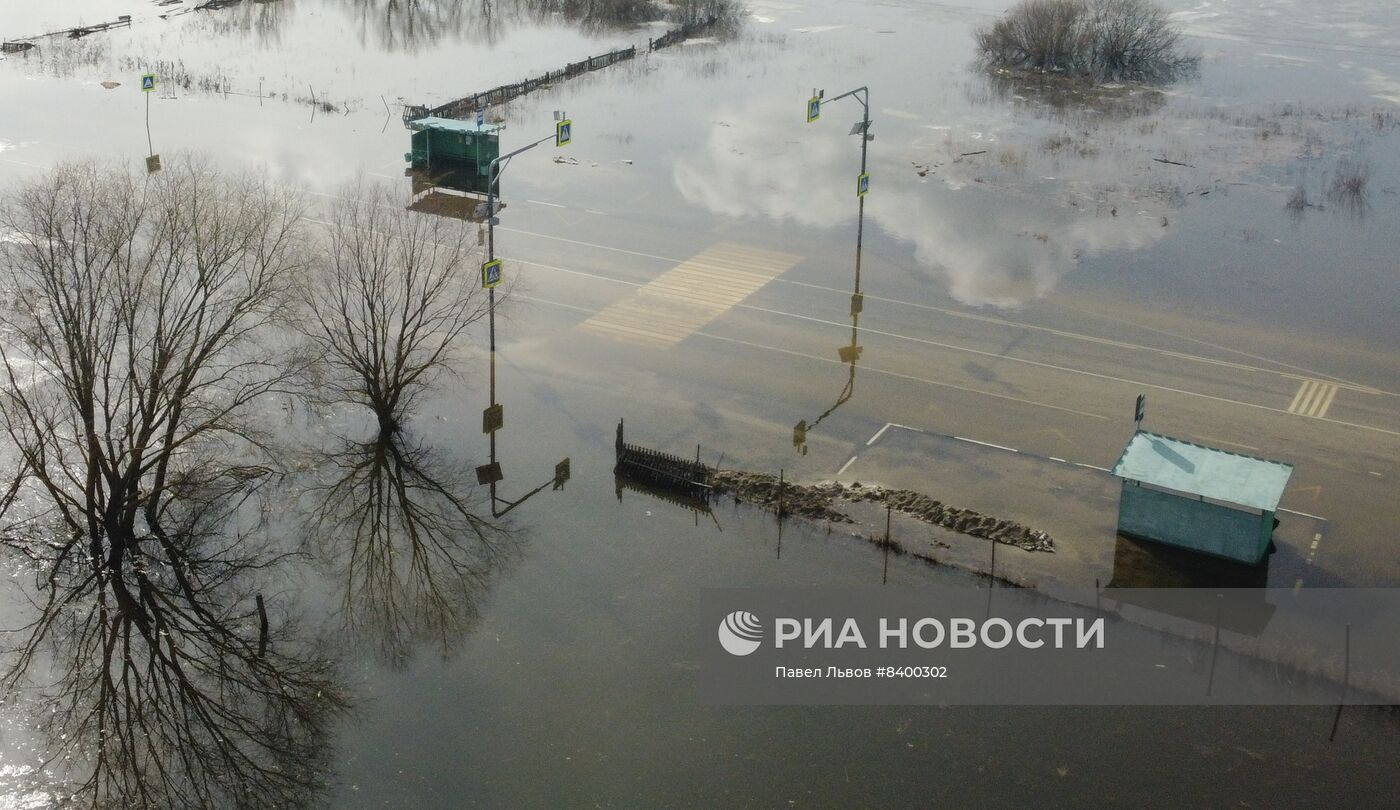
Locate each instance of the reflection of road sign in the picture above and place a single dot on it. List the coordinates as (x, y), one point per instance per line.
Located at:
(563, 132)
(561, 473)
(493, 418)
(857, 303)
(491, 273)
(849, 354)
(148, 82)
(489, 473)
(480, 116)
(862, 185)
(1141, 410)
(799, 434)
(152, 164)
(814, 108)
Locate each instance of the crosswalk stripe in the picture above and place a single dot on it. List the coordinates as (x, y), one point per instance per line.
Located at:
(686, 298)
(1313, 399)
(1326, 402)
(1298, 397)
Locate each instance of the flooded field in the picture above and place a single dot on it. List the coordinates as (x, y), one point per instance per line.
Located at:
(375, 623)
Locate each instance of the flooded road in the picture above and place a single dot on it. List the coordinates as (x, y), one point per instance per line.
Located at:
(1033, 258)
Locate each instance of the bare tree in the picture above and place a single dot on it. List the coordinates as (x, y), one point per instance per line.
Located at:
(396, 291)
(143, 330)
(399, 528)
(1105, 40)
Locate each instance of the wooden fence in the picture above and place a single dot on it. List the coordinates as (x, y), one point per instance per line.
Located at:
(467, 106)
(681, 34)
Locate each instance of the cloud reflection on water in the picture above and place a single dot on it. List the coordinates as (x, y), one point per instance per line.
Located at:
(989, 245)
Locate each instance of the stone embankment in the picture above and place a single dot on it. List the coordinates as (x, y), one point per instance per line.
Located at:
(822, 502)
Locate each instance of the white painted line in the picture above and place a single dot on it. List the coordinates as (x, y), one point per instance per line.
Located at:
(1062, 461)
(1054, 367)
(599, 213)
(845, 466)
(593, 245)
(900, 375)
(1090, 466)
(906, 427)
(1304, 514)
(878, 434)
(987, 444)
(1298, 397)
(1321, 410)
(550, 204)
(1376, 474)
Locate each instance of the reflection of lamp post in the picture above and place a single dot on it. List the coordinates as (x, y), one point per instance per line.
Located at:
(493, 417)
(848, 354)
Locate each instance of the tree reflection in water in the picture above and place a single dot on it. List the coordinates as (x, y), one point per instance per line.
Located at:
(165, 683)
(396, 525)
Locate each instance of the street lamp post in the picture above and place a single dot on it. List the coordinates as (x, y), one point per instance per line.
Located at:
(493, 417)
(849, 354)
(861, 94)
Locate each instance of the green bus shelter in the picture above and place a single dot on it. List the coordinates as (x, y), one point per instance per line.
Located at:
(1199, 498)
(458, 152)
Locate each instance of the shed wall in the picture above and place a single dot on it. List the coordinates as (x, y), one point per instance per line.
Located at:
(1188, 523)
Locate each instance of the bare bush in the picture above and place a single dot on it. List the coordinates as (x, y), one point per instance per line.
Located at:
(1297, 201)
(1105, 40)
(1352, 180)
(1349, 191)
(722, 13)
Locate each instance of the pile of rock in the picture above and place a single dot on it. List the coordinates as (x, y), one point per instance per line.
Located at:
(963, 521)
(761, 488)
(820, 502)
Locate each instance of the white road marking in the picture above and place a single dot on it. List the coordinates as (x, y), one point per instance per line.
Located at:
(1069, 370)
(550, 204)
(844, 467)
(901, 376)
(987, 444)
(1003, 322)
(1313, 399)
(686, 298)
(877, 436)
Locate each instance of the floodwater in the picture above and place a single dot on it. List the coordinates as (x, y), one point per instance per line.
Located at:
(565, 675)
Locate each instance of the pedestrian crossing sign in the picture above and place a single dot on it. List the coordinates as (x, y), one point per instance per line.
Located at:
(491, 274)
(862, 185)
(148, 82)
(563, 132)
(814, 108)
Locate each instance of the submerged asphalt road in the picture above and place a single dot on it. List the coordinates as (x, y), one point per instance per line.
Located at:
(741, 342)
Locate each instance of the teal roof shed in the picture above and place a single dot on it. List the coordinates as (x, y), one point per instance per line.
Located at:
(1197, 497)
(457, 154)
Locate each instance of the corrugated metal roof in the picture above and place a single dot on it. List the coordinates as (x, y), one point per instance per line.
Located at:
(1199, 470)
(451, 125)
